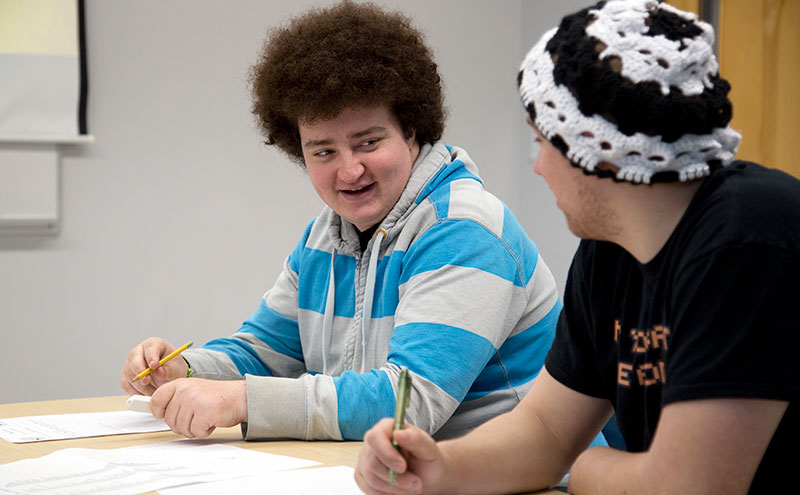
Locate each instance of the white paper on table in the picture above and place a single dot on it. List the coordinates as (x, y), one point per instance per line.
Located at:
(78, 425)
(138, 469)
(336, 480)
(217, 457)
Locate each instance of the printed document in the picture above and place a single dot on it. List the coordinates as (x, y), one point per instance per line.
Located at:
(80, 425)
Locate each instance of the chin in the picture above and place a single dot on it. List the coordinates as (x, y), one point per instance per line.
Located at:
(579, 229)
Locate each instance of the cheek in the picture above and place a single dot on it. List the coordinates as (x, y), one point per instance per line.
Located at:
(318, 180)
(392, 167)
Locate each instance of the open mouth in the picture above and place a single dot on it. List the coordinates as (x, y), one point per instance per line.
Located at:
(357, 192)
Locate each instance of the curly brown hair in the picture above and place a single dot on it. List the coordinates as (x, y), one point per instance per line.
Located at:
(350, 54)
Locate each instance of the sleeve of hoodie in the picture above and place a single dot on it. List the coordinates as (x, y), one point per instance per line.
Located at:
(463, 293)
(283, 400)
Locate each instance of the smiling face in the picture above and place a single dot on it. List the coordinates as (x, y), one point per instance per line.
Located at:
(359, 162)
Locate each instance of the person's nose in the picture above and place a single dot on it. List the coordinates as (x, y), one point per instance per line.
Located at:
(537, 164)
(351, 169)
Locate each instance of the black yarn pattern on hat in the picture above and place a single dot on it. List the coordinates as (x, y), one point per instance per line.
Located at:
(601, 90)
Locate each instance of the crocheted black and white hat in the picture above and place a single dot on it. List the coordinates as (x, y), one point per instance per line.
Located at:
(634, 84)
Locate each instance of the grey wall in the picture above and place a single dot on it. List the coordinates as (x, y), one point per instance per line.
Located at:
(177, 219)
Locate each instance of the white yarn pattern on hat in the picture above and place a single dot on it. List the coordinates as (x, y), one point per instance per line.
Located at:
(622, 27)
(591, 140)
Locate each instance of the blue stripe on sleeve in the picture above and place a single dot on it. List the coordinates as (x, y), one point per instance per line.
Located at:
(493, 377)
(242, 354)
(296, 256)
(275, 330)
(447, 356)
(313, 283)
(463, 243)
(526, 350)
(519, 242)
(362, 400)
(519, 359)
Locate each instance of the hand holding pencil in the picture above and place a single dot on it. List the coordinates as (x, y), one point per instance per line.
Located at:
(151, 364)
(163, 361)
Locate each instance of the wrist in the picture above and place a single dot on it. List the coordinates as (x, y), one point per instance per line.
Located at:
(242, 401)
(598, 469)
(450, 479)
(189, 370)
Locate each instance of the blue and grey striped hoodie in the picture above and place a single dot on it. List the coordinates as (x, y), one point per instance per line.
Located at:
(449, 286)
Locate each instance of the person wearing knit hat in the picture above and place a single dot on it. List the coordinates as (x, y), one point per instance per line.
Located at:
(679, 306)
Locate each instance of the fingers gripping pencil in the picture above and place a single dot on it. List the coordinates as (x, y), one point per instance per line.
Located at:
(166, 358)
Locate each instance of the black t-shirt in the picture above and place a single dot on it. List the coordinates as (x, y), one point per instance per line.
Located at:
(712, 315)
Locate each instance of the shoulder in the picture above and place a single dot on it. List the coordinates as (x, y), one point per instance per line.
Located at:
(480, 234)
(314, 242)
(458, 193)
(743, 182)
(745, 204)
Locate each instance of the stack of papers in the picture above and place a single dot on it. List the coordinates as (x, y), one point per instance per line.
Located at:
(160, 466)
(179, 467)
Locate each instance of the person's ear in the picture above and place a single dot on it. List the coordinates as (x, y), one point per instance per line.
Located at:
(411, 135)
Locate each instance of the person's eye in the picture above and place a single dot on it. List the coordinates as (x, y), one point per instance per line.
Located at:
(368, 143)
(323, 153)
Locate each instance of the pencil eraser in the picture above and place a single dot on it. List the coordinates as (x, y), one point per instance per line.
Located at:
(138, 403)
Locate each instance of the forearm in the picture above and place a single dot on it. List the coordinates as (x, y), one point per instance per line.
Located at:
(524, 457)
(303, 408)
(603, 470)
(694, 451)
(529, 448)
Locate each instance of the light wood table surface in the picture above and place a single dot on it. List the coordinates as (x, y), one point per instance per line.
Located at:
(326, 452)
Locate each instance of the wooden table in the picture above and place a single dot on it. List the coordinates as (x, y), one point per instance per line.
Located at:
(326, 452)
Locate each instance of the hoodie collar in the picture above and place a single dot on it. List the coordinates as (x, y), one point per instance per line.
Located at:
(343, 234)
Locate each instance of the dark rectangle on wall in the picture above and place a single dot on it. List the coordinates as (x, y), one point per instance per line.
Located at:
(84, 73)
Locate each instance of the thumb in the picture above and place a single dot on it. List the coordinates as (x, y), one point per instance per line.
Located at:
(153, 356)
(155, 351)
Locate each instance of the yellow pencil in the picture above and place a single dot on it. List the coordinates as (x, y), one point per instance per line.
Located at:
(164, 360)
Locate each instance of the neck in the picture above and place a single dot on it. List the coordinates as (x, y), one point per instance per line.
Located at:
(365, 235)
(649, 216)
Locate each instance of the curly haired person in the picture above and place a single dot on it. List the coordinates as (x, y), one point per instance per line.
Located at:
(679, 306)
(411, 263)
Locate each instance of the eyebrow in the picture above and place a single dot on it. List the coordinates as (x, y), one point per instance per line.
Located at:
(355, 135)
(533, 124)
